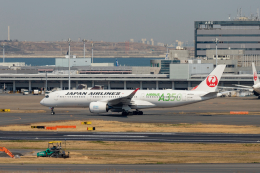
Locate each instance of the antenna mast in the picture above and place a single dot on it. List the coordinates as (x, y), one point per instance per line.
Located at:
(257, 13)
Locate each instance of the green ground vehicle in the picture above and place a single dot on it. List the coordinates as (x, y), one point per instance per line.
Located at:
(54, 150)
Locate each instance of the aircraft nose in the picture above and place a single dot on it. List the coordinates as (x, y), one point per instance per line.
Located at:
(42, 102)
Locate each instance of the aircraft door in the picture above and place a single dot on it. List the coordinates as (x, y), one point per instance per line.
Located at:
(142, 96)
(183, 97)
(56, 96)
(190, 97)
(89, 98)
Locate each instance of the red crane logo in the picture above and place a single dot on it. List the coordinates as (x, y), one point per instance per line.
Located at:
(255, 76)
(212, 81)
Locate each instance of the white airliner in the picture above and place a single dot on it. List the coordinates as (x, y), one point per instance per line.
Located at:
(255, 88)
(102, 101)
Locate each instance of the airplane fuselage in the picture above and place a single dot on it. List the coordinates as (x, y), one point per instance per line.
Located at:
(256, 88)
(141, 100)
(101, 101)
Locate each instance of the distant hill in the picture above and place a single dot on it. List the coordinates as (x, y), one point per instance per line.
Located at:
(24, 48)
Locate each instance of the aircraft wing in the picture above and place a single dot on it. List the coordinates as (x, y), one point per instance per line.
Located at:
(244, 86)
(122, 100)
(237, 88)
(210, 94)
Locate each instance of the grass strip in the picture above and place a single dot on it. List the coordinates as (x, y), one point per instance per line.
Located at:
(96, 152)
(116, 126)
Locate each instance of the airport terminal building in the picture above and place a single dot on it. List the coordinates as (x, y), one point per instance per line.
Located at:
(241, 34)
(180, 77)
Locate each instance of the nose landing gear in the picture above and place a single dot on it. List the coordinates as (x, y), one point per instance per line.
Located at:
(52, 111)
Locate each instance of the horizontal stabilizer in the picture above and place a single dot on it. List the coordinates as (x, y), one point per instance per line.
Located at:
(211, 94)
(244, 86)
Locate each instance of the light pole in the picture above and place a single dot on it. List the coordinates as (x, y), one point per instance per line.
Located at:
(69, 61)
(46, 81)
(92, 52)
(166, 45)
(3, 53)
(216, 40)
(84, 46)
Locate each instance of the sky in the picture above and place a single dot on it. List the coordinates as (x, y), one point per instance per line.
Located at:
(113, 20)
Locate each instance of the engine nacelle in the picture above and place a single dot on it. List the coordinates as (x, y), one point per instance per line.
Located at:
(98, 107)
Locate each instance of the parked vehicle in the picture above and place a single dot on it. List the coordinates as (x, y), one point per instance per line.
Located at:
(35, 92)
(25, 92)
(54, 150)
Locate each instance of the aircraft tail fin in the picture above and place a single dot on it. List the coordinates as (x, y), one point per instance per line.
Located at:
(256, 80)
(210, 84)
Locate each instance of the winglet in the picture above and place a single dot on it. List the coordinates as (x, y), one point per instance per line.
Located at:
(133, 93)
(135, 90)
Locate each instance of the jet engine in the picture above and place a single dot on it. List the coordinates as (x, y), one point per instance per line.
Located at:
(98, 107)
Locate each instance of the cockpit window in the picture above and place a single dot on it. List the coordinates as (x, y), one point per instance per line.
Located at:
(47, 96)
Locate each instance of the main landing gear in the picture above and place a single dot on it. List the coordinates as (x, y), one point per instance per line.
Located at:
(125, 113)
(137, 112)
(52, 111)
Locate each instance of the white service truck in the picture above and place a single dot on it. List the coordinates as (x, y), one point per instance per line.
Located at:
(35, 92)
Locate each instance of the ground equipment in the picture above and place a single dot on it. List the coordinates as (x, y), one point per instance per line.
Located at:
(54, 150)
(6, 151)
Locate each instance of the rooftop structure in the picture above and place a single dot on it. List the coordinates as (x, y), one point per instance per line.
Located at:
(163, 64)
(179, 54)
(11, 64)
(64, 62)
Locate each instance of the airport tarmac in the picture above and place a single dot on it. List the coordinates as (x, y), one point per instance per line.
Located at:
(132, 137)
(215, 111)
